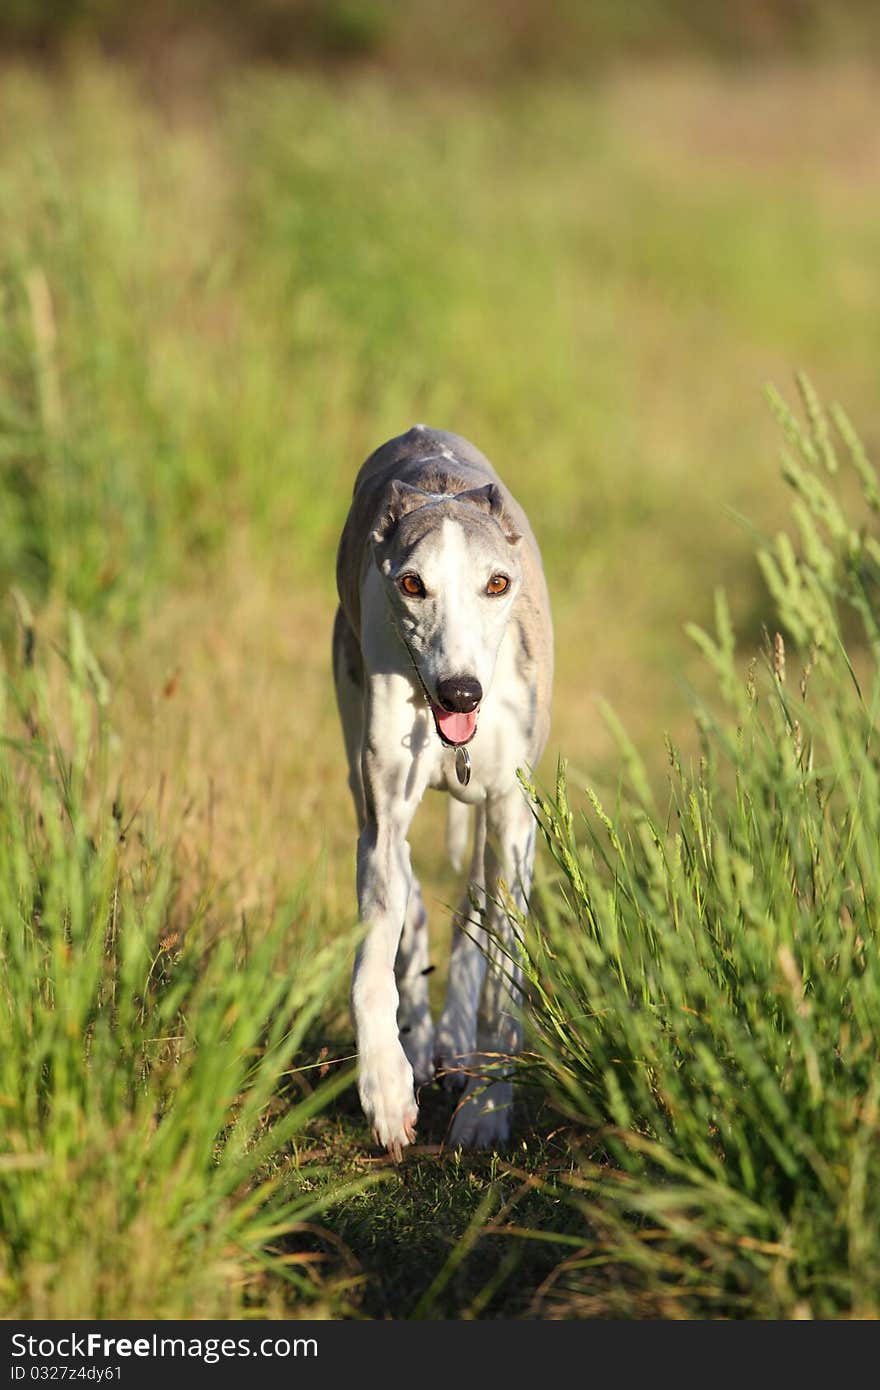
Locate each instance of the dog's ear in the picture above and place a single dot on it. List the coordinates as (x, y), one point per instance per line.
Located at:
(399, 499)
(491, 499)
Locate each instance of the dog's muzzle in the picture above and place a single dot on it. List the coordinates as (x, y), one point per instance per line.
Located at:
(456, 713)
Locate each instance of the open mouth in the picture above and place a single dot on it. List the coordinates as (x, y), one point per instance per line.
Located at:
(454, 727)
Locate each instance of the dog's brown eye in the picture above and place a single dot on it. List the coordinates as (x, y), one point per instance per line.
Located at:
(412, 586)
(498, 584)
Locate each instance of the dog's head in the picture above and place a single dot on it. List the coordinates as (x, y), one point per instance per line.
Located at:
(451, 565)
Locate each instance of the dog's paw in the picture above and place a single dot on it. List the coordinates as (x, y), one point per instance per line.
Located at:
(482, 1117)
(385, 1086)
(417, 1042)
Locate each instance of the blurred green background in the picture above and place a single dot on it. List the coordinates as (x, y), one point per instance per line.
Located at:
(241, 244)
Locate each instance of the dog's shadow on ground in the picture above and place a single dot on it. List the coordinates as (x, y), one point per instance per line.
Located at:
(415, 1240)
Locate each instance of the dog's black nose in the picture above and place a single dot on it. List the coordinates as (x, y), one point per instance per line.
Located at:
(460, 693)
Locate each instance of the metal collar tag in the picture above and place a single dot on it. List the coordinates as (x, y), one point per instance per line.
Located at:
(463, 766)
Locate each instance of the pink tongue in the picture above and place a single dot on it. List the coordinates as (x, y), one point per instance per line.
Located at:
(455, 727)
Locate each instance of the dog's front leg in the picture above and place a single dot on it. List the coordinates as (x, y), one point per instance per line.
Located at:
(395, 774)
(482, 1119)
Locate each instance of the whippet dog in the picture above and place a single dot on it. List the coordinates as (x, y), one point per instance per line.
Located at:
(443, 662)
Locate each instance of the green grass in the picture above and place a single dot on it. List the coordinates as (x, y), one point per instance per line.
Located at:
(214, 302)
(707, 996)
(147, 1164)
